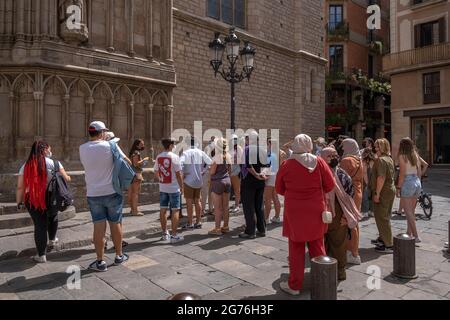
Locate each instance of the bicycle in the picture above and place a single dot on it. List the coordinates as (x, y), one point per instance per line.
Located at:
(425, 202)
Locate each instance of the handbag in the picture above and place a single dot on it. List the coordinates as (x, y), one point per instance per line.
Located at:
(123, 173)
(327, 216)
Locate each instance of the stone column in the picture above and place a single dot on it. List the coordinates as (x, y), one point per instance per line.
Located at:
(130, 4)
(39, 115)
(45, 20)
(150, 127)
(53, 18)
(14, 126)
(168, 33)
(168, 129)
(2, 17)
(149, 29)
(131, 122)
(29, 30)
(66, 128)
(110, 31)
(89, 105)
(19, 20)
(89, 23)
(37, 30)
(112, 104)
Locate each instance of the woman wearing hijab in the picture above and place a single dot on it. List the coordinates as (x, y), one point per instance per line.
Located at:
(345, 213)
(303, 180)
(352, 164)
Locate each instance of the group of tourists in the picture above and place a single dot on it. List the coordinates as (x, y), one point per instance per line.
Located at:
(328, 188)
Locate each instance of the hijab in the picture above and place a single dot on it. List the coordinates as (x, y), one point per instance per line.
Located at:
(302, 148)
(350, 148)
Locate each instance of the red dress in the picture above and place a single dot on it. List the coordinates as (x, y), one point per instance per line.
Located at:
(303, 199)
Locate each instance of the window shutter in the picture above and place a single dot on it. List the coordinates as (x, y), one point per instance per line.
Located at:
(417, 36)
(442, 28)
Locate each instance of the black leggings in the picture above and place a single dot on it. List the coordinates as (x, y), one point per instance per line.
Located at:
(44, 223)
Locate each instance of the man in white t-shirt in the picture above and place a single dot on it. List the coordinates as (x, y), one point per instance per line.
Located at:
(168, 169)
(104, 202)
(193, 162)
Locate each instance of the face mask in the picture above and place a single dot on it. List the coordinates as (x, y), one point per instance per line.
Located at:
(334, 163)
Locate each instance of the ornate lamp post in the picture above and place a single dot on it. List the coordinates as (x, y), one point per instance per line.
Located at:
(231, 46)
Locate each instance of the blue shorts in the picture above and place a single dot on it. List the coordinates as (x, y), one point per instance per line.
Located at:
(411, 187)
(170, 200)
(107, 208)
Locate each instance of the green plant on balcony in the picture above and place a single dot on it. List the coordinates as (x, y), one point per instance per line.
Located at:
(376, 46)
(340, 30)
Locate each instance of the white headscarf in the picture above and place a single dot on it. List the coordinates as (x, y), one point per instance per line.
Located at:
(350, 148)
(302, 148)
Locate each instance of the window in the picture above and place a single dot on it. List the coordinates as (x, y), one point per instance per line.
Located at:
(232, 12)
(335, 16)
(441, 141)
(429, 33)
(432, 88)
(336, 59)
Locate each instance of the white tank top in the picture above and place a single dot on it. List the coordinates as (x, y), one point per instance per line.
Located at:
(410, 169)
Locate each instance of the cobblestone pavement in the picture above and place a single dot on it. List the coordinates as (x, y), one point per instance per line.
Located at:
(230, 268)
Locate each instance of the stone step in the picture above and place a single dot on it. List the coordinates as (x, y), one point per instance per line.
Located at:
(9, 208)
(7, 197)
(21, 220)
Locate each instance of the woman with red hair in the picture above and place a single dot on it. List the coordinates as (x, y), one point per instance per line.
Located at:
(32, 183)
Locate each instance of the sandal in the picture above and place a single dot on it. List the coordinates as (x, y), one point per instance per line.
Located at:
(215, 232)
(225, 230)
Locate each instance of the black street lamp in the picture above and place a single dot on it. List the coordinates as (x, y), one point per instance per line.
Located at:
(231, 46)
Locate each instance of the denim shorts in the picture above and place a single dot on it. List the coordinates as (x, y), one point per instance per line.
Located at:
(411, 187)
(106, 208)
(170, 200)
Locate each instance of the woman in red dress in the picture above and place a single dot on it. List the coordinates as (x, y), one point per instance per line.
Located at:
(303, 180)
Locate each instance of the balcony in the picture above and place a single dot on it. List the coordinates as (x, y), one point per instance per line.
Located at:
(338, 31)
(417, 58)
(417, 4)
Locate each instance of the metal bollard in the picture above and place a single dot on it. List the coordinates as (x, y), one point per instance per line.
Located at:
(185, 296)
(404, 257)
(324, 278)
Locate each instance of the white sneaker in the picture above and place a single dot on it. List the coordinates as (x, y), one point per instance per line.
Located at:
(177, 238)
(275, 220)
(236, 209)
(446, 245)
(418, 240)
(165, 236)
(284, 286)
(371, 214)
(365, 215)
(38, 259)
(353, 260)
(53, 243)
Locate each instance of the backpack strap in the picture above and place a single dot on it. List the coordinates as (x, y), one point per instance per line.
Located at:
(56, 167)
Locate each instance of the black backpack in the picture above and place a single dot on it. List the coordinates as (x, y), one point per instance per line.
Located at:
(58, 195)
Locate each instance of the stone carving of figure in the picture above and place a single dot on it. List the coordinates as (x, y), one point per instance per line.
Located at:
(73, 26)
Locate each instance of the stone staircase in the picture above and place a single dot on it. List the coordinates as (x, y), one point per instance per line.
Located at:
(11, 219)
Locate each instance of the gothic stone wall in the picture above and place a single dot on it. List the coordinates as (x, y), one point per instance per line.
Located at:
(287, 88)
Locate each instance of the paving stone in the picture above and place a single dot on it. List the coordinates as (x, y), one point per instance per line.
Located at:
(137, 262)
(247, 257)
(93, 288)
(273, 265)
(443, 277)
(431, 286)
(8, 296)
(182, 283)
(217, 296)
(37, 293)
(139, 288)
(421, 295)
(210, 277)
(233, 267)
(207, 257)
(380, 295)
(355, 287)
(246, 290)
(156, 272)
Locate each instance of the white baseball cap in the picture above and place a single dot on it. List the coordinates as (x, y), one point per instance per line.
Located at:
(98, 126)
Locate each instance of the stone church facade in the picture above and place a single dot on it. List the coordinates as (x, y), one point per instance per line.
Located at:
(142, 67)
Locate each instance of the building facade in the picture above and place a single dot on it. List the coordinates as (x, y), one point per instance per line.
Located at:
(286, 90)
(419, 67)
(142, 67)
(357, 100)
